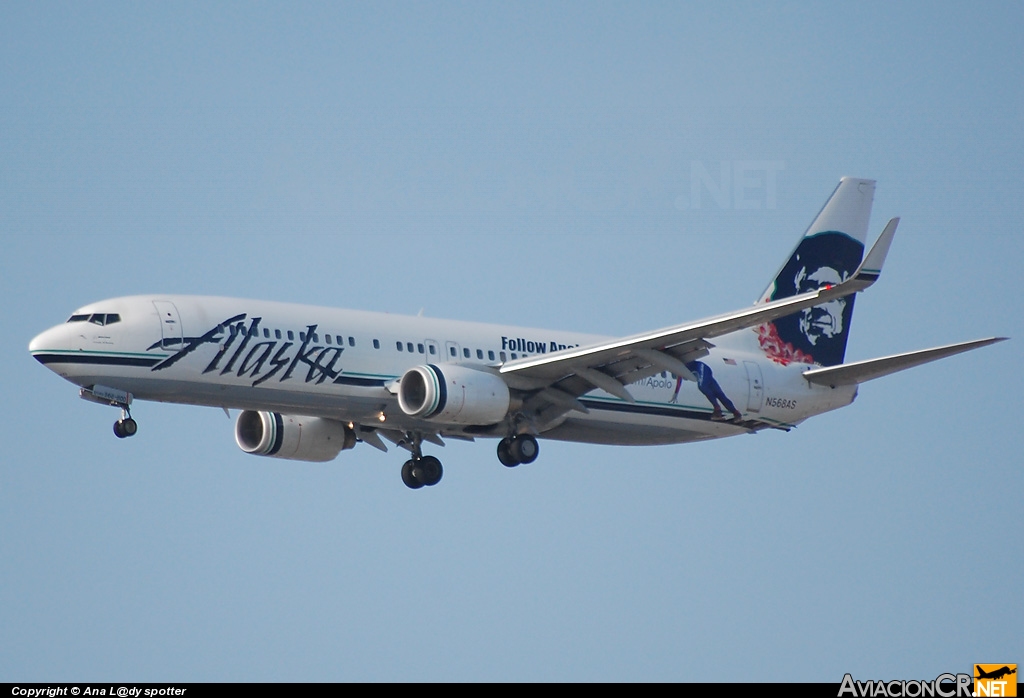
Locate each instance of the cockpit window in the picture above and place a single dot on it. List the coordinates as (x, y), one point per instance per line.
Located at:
(97, 318)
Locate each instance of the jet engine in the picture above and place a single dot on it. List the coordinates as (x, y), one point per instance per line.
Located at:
(453, 394)
(310, 439)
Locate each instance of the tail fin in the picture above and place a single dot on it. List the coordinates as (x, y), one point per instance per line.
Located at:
(828, 253)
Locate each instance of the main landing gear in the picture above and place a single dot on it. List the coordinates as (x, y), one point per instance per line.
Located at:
(426, 471)
(420, 470)
(514, 450)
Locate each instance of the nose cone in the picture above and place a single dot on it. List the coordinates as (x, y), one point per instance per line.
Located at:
(37, 343)
(46, 343)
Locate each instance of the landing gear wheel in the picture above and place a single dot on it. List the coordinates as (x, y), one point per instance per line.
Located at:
(123, 428)
(408, 477)
(428, 471)
(505, 454)
(524, 448)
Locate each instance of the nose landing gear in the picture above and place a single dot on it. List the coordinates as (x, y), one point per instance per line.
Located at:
(103, 395)
(126, 426)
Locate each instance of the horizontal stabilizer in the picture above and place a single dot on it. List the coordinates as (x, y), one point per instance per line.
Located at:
(861, 371)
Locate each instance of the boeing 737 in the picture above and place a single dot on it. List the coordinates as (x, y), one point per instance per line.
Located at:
(311, 382)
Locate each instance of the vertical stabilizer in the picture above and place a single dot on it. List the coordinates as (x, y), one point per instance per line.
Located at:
(828, 253)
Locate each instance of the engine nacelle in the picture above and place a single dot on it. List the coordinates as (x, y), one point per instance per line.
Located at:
(453, 394)
(296, 438)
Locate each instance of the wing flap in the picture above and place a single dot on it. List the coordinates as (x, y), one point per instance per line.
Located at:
(861, 371)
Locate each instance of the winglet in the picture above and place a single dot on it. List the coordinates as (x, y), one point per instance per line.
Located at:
(871, 268)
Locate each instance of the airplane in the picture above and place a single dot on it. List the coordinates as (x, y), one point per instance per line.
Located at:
(311, 382)
(996, 674)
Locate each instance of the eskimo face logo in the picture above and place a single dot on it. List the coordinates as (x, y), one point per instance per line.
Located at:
(818, 334)
(822, 321)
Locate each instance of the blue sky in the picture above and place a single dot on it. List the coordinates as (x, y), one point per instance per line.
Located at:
(531, 164)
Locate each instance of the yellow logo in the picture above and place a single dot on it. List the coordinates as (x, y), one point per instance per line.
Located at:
(996, 680)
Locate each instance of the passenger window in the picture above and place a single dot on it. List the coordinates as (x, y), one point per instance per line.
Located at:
(514, 357)
(327, 338)
(408, 345)
(490, 354)
(291, 336)
(479, 353)
(502, 356)
(277, 334)
(376, 344)
(465, 352)
(419, 348)
(266, 333)
(302, 336)
(398, 346)
(453, 351)
(341, 340)
(433, 349)
(351, 341)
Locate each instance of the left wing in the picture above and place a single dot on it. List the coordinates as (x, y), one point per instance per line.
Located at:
(563, 376)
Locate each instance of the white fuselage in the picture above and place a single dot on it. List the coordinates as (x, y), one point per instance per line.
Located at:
(343, 364)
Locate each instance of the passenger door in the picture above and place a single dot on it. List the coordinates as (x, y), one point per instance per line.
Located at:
(171, 334)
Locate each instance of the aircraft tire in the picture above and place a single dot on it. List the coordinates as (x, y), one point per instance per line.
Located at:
(524, 448)
(505, 454)
(428, 471)
(408, 477)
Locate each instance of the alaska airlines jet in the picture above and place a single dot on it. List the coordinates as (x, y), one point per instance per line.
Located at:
(311, 382)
